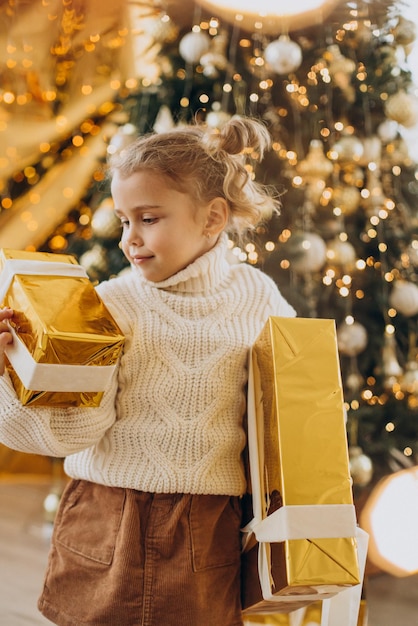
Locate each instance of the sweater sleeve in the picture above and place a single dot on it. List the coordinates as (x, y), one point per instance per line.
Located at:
(52, 432)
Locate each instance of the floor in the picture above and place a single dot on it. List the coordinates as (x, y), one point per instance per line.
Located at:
(24, 540)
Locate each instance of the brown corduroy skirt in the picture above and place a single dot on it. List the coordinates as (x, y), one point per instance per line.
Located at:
(121, 557)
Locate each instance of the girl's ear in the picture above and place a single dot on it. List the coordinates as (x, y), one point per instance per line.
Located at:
(217, 217)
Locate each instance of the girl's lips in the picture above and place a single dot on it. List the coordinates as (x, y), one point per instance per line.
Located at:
(140, 259)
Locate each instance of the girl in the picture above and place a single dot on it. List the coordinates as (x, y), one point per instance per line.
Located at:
(148, 530)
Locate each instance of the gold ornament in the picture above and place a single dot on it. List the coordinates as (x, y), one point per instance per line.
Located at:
(409, 380)
(161, 28)
(404, 32)
(390, 368)
(364, 33)
(376, 198)
(353, 380)
(341, 70)
(348, 149)
(403, 108)
(314, 193)
(216, 58)
(396, 153)
(347, 198)
(315, 164)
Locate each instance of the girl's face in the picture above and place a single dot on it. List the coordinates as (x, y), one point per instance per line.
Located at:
(163, 230)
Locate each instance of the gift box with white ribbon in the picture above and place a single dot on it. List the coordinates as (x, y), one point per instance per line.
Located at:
(301, 542)
(65, 341)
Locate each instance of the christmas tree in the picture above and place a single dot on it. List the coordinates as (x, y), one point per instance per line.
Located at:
(336, 94)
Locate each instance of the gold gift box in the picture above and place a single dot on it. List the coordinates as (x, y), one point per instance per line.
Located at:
(66, 343)
(312, 617)
(299, 471)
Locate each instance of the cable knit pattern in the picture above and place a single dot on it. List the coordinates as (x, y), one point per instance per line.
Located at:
(171, 422)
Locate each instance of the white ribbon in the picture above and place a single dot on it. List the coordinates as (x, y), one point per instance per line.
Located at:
(12, 267)
(319, 521)
(55, 377)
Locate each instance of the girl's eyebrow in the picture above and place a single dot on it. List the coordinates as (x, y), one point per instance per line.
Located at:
(140, 207)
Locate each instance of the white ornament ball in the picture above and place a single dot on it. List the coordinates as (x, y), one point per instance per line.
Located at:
(104, 223)
(216, 58)
(351, 338)
(341, 253)
(164, 121)
(412, 252)
(122, 138)
(409, 380)
(404, 297)
(283, 55)
(361, 467)
(94, 260)
(353, 382)
(193, 46)
(388, 130)
(372, 150)
(309, 251)
(160, 28)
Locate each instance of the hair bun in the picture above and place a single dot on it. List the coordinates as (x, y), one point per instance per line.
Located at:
(238, 135)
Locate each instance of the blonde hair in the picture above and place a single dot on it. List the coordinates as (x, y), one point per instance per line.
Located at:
(208, 164)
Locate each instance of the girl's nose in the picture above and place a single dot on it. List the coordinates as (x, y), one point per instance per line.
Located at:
(133, 237)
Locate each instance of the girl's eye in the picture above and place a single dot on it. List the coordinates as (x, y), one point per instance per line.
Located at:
(149, 220)
(124, 223)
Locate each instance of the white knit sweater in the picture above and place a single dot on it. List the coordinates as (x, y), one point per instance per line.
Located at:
(171, 421)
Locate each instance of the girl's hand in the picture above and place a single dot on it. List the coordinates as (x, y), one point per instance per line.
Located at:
(5, 334)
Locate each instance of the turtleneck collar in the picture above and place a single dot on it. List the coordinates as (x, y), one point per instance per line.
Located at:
(201, 276)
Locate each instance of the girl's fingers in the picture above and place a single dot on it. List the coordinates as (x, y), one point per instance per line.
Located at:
(6, 313)
(5, 334)
(5, 339)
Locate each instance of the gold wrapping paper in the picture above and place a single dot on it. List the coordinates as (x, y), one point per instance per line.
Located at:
(312, 617)
(61, 321)
(303, 461)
